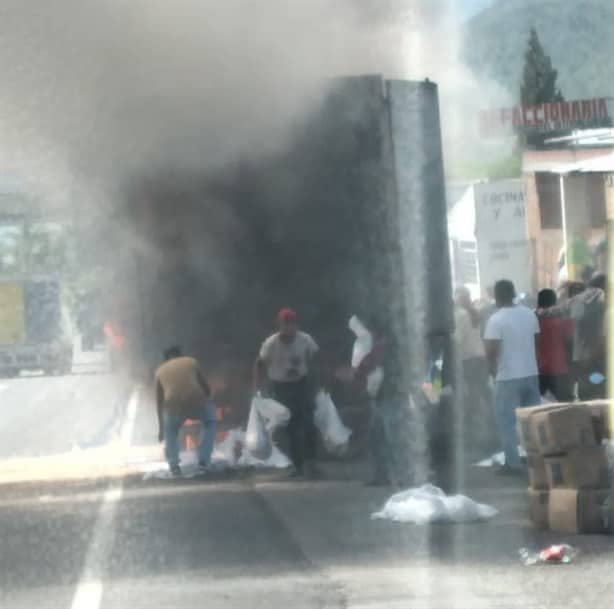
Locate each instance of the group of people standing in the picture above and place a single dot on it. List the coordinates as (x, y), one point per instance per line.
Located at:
(556, 351)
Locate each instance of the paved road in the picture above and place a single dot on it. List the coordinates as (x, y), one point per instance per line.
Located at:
(273, 543)
(45, 415)
(264, 541)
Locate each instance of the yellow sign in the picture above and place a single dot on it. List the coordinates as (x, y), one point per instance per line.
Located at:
(12, 326)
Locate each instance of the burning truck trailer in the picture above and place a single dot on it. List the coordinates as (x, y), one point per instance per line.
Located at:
(350, 219)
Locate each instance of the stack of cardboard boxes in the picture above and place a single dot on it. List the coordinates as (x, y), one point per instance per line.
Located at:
(570, 476)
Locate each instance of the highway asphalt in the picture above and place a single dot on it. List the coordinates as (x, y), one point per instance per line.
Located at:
(248, 540)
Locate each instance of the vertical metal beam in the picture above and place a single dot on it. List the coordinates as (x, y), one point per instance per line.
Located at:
(564, 221)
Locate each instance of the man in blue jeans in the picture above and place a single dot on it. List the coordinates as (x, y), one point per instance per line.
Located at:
(510, 339)
(182, 393)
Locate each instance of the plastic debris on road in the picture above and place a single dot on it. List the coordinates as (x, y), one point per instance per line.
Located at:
(276, 460)
(229, 449)
(596, 378)
(335, 435)
(498, 459)
(561, 554)
(428, 503)
(188, 472)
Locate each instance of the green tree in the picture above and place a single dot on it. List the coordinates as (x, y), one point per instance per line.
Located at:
(538, 85)
(538, 77)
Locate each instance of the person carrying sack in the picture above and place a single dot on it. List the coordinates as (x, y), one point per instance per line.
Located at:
(286, 366)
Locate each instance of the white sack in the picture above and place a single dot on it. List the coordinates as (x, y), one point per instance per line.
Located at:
(274, 414)
(258, 440)
(335, 434)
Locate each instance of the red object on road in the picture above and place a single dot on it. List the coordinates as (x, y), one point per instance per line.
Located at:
(553, 553)
(560, 554)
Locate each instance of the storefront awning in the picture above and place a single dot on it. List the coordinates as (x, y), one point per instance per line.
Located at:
(600, 164)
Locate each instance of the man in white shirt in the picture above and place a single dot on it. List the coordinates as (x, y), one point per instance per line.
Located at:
(286, 361)
(510, 338)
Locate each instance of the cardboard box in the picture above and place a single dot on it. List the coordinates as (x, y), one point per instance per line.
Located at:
(524, 425)
(538, 478)
(577, 511)
(562, 429)
(587, 468)
(602, 419)
(538, 507)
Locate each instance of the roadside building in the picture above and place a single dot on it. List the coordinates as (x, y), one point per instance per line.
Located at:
(488, 235)
(568, 186)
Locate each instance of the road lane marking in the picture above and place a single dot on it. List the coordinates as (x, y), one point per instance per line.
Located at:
(88, 594)
(127, 428)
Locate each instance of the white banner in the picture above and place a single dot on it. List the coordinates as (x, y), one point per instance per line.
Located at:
(501, 232)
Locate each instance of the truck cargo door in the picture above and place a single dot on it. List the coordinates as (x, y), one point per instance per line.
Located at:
(42, 311)
(12, 327)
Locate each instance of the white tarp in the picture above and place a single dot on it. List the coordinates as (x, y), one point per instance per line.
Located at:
(227, 454)
(428, 503)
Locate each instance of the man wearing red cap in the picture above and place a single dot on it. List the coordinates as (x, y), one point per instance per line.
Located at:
(286, 361)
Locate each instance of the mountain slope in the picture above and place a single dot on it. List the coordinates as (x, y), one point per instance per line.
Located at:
(577, 34)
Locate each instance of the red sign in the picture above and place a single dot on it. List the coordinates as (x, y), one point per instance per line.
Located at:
(547, 118)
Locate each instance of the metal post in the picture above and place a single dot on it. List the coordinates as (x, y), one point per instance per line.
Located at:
(564, 222)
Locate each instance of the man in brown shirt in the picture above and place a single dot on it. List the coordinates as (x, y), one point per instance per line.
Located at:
(182, 393)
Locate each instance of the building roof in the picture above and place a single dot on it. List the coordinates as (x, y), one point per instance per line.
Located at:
(569, 160)
(586, 138)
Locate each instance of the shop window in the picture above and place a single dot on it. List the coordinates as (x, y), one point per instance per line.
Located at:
(549, 196)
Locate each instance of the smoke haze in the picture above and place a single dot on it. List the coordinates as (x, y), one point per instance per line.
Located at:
(96, 91)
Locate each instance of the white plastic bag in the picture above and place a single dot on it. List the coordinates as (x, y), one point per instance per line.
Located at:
(362, 347)
(335, 434)
(363, 343)
(428, 503)
(274, 414)
(257, 437)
